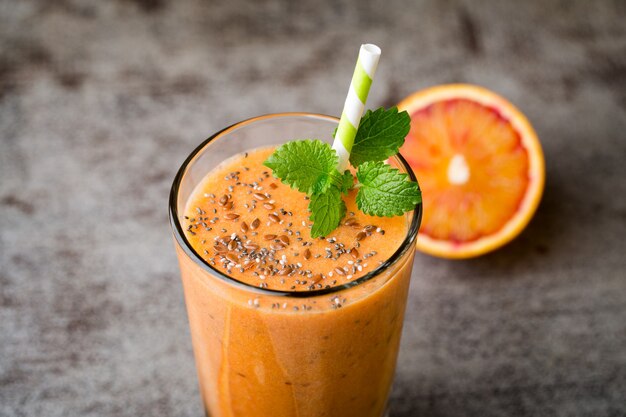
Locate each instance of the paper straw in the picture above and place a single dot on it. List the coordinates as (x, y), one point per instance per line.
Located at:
(364, 71)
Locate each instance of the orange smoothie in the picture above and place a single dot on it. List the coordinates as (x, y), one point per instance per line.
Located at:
(282, 324)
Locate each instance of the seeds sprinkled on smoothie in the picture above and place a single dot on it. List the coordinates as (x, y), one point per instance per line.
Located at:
(278, 253)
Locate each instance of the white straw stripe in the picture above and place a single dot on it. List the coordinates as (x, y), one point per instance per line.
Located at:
(342, 153)
(353, 107)
(369, 56)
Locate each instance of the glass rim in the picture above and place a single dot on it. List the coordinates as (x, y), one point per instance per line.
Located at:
(182, 241)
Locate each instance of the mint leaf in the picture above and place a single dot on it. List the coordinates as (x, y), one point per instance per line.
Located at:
(307, 165)
(380, 135)
(327, 210)
(384, 191)
(344, 182)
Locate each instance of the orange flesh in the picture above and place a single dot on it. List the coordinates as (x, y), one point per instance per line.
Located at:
(377, 243)
(259, 355)
(496, 160)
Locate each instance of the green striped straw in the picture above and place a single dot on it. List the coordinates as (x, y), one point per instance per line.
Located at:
(364, 71)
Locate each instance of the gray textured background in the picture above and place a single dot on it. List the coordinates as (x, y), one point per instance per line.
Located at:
(101, 101)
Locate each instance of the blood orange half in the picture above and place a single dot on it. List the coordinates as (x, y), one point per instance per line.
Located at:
(480, 166)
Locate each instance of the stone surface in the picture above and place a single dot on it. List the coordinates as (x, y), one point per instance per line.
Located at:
(101, 101)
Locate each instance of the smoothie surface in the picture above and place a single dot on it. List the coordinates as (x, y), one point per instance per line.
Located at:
(254, 228)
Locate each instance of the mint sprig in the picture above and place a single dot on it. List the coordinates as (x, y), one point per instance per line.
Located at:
(384, 191)
(310, 166)
(380, 135)
(306, 165)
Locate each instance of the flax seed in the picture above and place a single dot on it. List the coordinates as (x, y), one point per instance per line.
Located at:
(255, 224)
(360, 236)
(340, 271)
(307, 254)
(273, 217)
(277, 246)
(244, 227)
(354, 253)
(350, 221)
(231, 216)
(232, 257)
(284, 239)
(259, 196)
(269, 237)
(268, 206)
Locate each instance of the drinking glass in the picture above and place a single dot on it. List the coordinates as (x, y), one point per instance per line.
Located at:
(262, 352)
